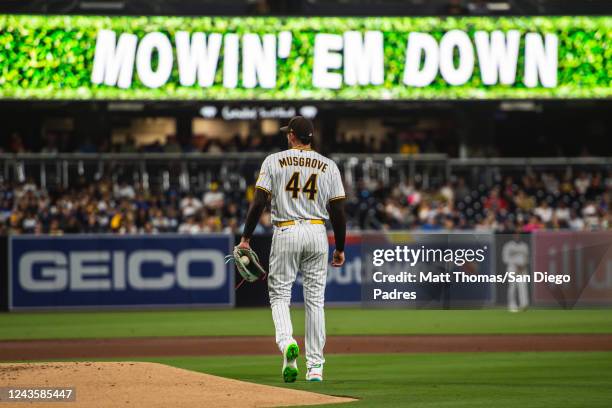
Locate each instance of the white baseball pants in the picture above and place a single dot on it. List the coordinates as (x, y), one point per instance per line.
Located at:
(518, 291)
(301, 247)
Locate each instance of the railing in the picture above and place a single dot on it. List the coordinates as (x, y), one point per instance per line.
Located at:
(195, 171)
(488, 170)
(182, 170)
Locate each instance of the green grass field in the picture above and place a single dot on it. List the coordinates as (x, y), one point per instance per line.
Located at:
(340, 321)
(438, 380)
(545, 379)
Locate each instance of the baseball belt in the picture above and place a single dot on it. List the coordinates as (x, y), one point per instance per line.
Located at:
(289, 223)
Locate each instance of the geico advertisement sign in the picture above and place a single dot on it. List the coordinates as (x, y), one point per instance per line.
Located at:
(104, 270)
(114, 270)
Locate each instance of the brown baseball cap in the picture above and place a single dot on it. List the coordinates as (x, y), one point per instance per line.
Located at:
(301, 127)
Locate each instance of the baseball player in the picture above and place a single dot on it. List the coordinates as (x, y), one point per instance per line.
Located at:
(515, 254)
(305, 189)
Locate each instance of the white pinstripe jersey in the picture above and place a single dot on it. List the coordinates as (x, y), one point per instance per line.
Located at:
(301, 182)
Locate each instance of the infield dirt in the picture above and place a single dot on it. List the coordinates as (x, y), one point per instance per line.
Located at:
(15, 350)
(143, 385)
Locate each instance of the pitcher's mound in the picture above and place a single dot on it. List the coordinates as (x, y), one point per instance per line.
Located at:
(137, 385)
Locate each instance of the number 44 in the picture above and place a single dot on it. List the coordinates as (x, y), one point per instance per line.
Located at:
(310, 188)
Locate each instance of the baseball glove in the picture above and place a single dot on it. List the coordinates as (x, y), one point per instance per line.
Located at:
(247, 263)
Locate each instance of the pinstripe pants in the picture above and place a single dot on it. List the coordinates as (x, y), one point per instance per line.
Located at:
(301, 247)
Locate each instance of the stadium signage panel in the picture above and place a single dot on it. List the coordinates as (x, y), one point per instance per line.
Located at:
(359, 58)
(218, 58)
(584, 257)
(344, 283)
(119, 271)
(257, 112)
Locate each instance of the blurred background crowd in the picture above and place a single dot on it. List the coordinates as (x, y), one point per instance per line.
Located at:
(526, 203)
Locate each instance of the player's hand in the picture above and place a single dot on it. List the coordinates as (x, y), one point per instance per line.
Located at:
(244, 243)
(338, 258)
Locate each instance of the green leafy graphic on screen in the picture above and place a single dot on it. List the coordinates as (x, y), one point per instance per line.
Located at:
(52, 57)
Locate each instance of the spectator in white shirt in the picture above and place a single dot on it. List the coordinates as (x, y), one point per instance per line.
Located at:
(562, 212)
(189, 226)
(544, 212)
(576, 223)
(190, 205)
(125, 190)
(213, 198)
(582, 183)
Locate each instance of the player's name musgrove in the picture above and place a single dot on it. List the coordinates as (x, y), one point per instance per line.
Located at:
(303, 162)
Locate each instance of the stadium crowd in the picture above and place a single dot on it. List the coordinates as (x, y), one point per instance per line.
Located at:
(526, 203)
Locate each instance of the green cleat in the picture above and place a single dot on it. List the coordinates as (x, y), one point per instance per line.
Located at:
(290, 369)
